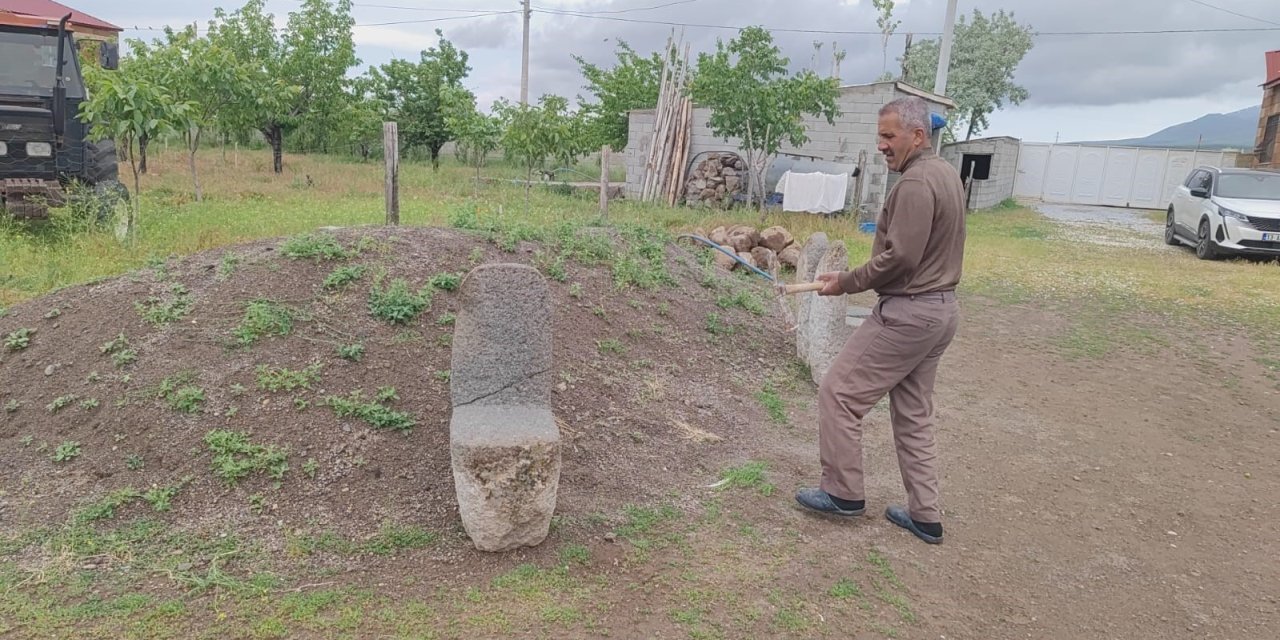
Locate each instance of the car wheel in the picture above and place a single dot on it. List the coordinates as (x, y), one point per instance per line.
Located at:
(1170, 235)
(1205, 249)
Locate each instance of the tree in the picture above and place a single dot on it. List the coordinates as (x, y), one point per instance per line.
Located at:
(980, 78)
(295, 75)
(126, 106)
(197, 72)
(887, 25)
(632, 83)
(412, 93)
(359, 124)
(532, 134)
(476, 133)
(752, 98)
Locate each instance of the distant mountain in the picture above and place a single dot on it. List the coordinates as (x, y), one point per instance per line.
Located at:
(1236, 130)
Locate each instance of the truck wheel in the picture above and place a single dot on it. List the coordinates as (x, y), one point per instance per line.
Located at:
(101, 162)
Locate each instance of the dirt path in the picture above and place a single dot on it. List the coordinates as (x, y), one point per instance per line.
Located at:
(1126, 497)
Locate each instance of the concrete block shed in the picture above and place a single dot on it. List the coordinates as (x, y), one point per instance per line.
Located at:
(991, 164)
(854, 131)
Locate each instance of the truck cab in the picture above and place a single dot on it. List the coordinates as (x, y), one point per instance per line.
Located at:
(43, 145)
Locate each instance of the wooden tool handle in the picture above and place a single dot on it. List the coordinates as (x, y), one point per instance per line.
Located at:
(801, 288)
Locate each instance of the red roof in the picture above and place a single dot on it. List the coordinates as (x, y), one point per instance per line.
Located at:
(1273, 67)
(54, 11)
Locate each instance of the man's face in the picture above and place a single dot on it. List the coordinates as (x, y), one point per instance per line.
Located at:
(897, 142)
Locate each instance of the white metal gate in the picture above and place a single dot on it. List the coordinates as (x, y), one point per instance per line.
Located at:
(1111, 176)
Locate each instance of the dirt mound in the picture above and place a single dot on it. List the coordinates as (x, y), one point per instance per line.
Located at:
(254, 388)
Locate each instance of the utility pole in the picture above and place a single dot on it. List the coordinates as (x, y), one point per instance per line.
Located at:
(524, 61)
(944, 55)
(944, 58)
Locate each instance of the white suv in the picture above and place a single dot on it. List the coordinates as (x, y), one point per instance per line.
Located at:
(1224, 212)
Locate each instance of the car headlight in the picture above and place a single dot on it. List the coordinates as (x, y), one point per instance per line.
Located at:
(39, 150)
(1227, 213)
(4, 149)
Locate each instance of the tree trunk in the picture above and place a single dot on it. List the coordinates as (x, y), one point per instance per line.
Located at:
(193, 142)
(435, 156)
(528, 186)
(143, 141)
(476, 191)
(973, 120)
(275, 137)
(131, 229)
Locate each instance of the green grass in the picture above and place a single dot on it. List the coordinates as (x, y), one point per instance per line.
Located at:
(343, 276)
(235, 457)
(123, 357)
(161, 311)
(353, 352)
(396, 303)
(374, 412)
(67, 451)
(18, 339)
(750, 475)
(263, 318)
(61, 402)
(773, 403)
(611, 345)
(315, 246)
(392, 538)
(743, 299)
(845, 589)
(284, 379)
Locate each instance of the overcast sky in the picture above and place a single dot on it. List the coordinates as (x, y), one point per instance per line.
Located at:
(1082, 86)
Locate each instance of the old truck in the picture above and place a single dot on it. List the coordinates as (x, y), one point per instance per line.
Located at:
(44, 147)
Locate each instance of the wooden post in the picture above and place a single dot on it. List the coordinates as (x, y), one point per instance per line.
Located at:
(604, 182)
(391, 150)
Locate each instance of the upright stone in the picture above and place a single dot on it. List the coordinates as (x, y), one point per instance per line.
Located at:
(806, 269)
(503, 439)
(828, 327)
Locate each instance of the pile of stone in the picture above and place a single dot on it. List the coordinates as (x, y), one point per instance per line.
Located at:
(767, 250)
(716, 179)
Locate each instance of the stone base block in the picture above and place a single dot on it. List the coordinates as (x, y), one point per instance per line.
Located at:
(506, 471)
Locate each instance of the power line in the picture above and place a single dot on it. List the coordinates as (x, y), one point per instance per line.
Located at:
(440, 10)
(1234, 13)
(615, 11)
(575, 14)
(425, 20)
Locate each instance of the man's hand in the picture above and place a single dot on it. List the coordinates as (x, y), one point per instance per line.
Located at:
(832, 280)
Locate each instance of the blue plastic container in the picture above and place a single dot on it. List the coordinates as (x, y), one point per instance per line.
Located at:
(867, 227)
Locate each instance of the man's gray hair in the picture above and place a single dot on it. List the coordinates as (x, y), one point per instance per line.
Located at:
(912, 111)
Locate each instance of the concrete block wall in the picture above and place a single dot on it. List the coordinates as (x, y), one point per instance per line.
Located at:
(1004, 168)
(853, 131)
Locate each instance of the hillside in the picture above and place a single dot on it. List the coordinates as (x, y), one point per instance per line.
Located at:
(1235, 130)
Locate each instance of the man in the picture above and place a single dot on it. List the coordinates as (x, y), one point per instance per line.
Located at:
(914, 267)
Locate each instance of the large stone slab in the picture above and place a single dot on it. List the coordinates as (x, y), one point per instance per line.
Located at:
(806, 269)
(502, 338)
(827, 319)
(503, 440)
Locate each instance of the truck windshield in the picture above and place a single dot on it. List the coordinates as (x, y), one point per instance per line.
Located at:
(30, 63)
(1249, 186)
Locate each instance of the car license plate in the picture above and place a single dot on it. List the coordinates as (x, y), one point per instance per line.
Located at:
(1271, 237)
